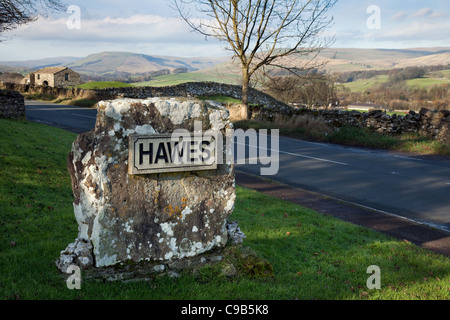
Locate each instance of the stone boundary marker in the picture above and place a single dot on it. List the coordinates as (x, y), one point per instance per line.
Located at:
(158, 219)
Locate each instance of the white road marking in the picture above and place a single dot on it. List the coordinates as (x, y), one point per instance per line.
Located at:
(40, 108)
(302, 156)
(408, 158)
(314, 158)
(81, 115)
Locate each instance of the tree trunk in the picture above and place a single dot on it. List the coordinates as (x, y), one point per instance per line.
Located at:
(245, 88)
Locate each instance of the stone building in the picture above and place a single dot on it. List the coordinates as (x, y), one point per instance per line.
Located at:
(55, 77)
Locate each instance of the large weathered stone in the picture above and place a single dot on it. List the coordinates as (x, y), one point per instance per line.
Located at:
(154, 217)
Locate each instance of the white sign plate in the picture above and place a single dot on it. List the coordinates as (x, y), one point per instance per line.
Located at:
(168, 153)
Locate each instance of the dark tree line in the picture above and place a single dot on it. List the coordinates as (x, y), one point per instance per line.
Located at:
(407, 74)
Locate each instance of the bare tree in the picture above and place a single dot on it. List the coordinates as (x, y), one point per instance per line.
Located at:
(312, 90)
(261, 33)
(14, 13)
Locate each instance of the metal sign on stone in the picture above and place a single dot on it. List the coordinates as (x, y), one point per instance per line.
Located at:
(168, 153)
(138, 193)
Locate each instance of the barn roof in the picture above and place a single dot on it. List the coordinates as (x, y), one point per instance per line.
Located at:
(51, 70)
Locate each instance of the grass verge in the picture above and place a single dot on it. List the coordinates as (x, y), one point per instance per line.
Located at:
(314, 256)
(352, 136)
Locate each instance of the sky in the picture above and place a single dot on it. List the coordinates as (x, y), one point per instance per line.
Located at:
(153, 27)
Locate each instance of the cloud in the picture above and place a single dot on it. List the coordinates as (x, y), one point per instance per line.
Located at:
(424, 12)
(428, 13)
(145, 33)
(147, 28)
(413, 32)
(399, 16)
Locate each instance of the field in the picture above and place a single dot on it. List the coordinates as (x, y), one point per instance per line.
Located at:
(174, 79)
(427, 82)
(214, 75)
(313, 255)
(366, 84)
(372, 83)
(103, 85)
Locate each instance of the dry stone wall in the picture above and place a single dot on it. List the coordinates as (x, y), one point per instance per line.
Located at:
(12, 105)
(190, 89)
(428, 123)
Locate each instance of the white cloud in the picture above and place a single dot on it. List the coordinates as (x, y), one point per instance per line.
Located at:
(151, 27)
(428, 13)
(144, 33)
(413, 33)
(399, 16)
(147, 28)
(424, 12)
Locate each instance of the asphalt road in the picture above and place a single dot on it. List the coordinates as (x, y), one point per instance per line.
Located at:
(70, 118)
(407, 186)
(416, 188)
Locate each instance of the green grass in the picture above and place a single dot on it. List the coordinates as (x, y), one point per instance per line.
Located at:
(220, 98)
(362, 137)
(411, 142)
(374, 82)
(175, 79)
(366, 84)
(427, 82)
(314, 256)
(103, 85)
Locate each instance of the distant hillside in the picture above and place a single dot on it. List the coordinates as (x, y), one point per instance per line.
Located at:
(338, 60)
(40, 63)
(341, 60)
(117, 65)
(133, 63)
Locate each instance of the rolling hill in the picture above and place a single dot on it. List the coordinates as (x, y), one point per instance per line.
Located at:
(134, 63)
(338, 60)
(379, 59)
(116, 62)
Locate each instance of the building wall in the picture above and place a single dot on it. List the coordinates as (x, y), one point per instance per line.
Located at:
(41, 79)
(57, 79)
(66, 78)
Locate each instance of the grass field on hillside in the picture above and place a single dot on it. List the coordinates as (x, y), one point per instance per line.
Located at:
(366, 84)
(372, 83)
(427, 82)
(314, 256)
(103, 85)
(174, 79)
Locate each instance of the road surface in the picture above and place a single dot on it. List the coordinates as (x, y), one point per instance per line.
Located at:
(408, 186)
(75, 119)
